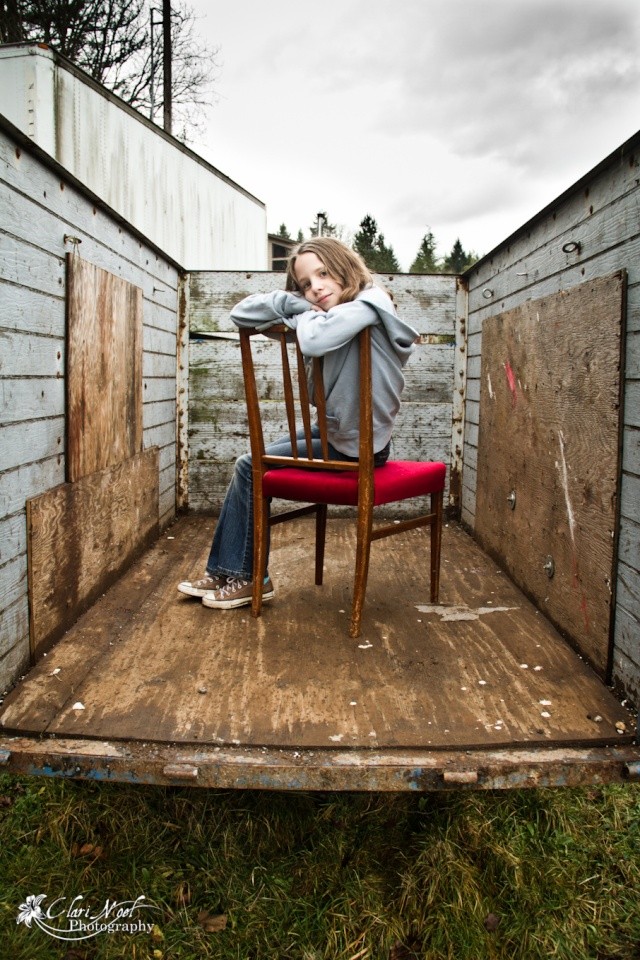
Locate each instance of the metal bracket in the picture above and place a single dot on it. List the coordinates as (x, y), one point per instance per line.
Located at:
(180, 771)
(460, 776)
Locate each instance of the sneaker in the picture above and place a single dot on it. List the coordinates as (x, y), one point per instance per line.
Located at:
(236, 592)
(198, 588)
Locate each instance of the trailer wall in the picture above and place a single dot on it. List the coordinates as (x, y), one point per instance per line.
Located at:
(44, 211)
(213, 404)
(591, 231)
(180, 202)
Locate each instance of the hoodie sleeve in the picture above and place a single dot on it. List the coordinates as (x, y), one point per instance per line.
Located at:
(266, 308)
(319, 332)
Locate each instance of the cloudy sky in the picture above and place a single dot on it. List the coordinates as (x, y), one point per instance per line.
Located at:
(462, 116)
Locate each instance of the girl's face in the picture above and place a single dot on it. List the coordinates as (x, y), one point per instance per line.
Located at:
(315, 283)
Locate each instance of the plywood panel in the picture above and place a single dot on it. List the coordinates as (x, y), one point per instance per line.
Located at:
(104, 369)
(480, 670)
(82, 535)
(549, 435)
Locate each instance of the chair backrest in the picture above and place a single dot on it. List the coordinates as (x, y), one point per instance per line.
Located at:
(298, 402)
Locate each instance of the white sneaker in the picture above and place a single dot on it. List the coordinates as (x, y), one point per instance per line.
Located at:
(198, 588)
(236, 592)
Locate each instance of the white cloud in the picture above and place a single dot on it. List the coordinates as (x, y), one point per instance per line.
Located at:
(460, 115)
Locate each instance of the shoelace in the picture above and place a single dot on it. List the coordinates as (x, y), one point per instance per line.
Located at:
(232, 584)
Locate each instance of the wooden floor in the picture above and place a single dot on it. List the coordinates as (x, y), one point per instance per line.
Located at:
(484, 669)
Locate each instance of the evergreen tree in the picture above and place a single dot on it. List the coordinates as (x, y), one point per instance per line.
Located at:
(283, 232)
(300, 237)
(459, 260)
(370, 244)
(426, 260)
(365, 238)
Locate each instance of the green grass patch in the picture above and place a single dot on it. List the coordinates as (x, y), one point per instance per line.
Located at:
(516, 875)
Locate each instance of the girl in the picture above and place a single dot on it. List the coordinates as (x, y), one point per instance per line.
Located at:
(329, 298)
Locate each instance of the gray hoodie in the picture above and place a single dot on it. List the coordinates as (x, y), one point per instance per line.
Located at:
(331, 335)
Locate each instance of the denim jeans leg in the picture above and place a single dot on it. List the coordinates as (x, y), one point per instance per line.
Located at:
(232, 548)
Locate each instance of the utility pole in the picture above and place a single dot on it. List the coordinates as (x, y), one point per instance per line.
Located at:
(152, 72)
(166, 62)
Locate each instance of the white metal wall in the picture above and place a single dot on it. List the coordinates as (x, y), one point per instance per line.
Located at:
(39, 207)
(196, 214)
(599, 215)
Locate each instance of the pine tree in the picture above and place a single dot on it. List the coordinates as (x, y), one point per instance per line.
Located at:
(459, 260)
(370, 244)
(426, 260)
(283, 232)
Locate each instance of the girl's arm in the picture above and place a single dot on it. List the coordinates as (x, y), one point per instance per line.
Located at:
(319, 332)
(268, 308)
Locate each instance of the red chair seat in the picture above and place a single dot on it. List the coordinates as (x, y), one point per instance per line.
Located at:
(397, 480)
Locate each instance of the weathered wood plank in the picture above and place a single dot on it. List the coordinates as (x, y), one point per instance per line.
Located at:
(216, 371)
(31, 399)
(23, 355)
(28, 480)
(29, 310)
(104, 369)
(220, 431)
(30, 267)
(426, 302)
(81, 537)
(21, 444)
(159, 365)
(14, 630)
(549, 430)
(630, 498)
(155, 389)
(13, 538)
(159, 341)
(159, 413)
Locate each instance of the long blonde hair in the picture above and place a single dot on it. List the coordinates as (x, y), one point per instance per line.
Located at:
(341, 262)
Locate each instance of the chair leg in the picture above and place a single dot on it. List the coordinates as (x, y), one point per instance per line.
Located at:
(363, 551)
(321, 532)
(436, 544)
(260, 527)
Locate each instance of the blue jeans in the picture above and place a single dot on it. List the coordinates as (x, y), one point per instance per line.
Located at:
(232, 548)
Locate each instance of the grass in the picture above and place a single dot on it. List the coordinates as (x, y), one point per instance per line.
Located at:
(518, 875)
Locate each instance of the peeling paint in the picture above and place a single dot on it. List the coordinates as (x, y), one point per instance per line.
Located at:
(455, 612)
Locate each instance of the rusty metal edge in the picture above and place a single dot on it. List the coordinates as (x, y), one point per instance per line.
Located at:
(244, 768)
(459, 396)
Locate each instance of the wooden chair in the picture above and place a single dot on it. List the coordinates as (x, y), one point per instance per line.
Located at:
(304, 478)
